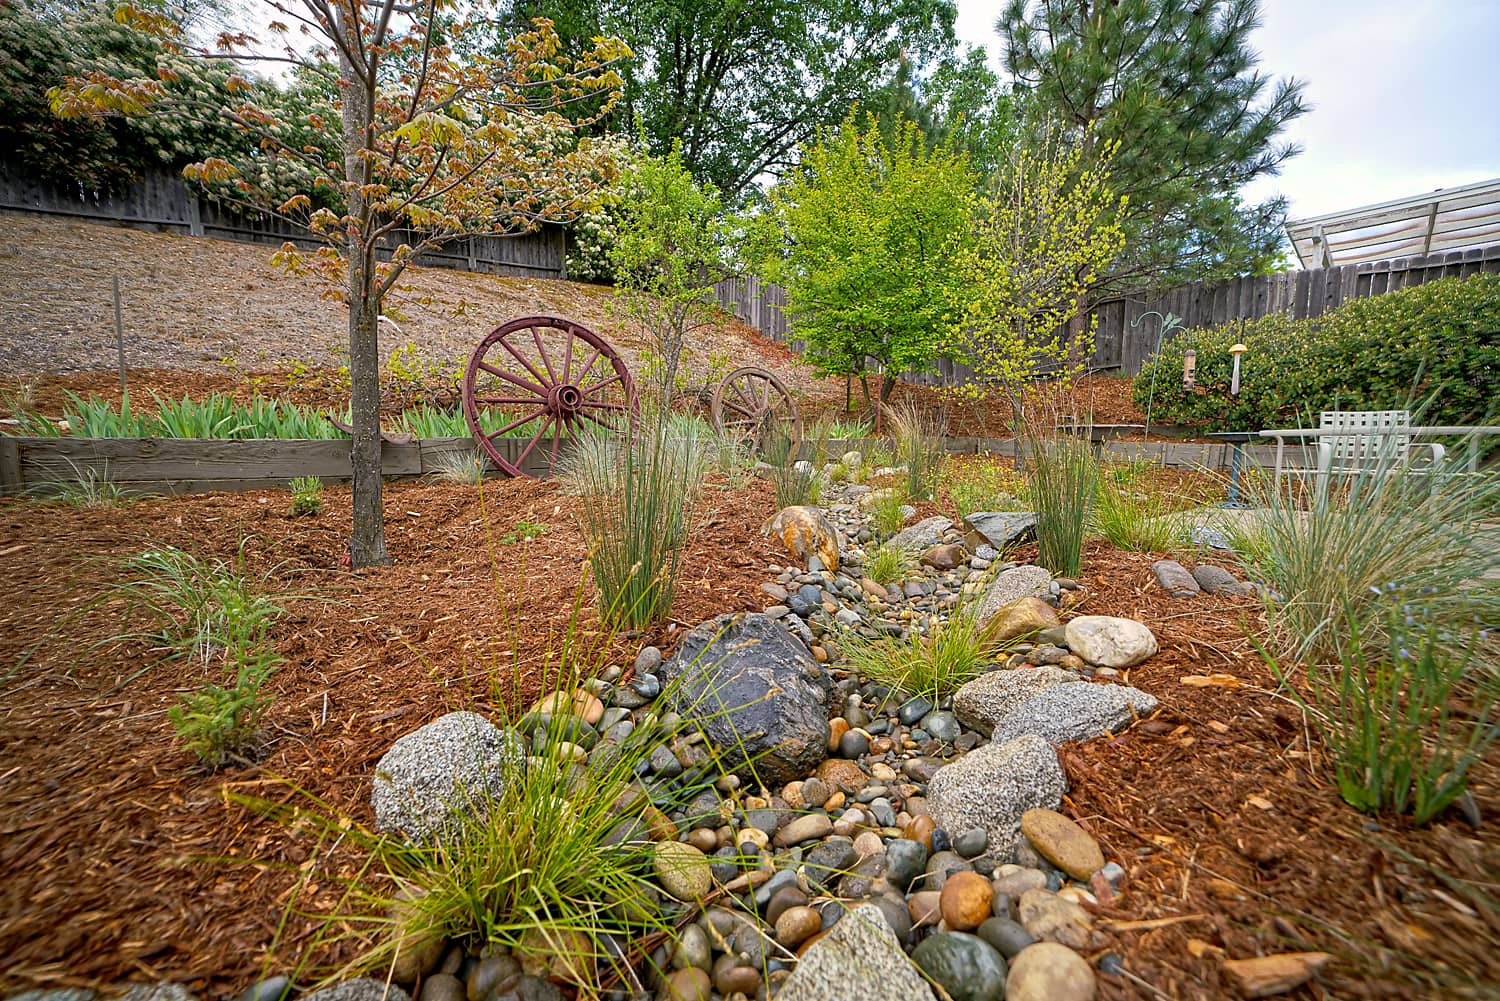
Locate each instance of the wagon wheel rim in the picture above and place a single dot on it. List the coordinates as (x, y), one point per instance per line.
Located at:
(749, 402)
(549, 376)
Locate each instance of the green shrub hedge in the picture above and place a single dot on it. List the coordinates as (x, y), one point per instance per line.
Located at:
(1433, 348)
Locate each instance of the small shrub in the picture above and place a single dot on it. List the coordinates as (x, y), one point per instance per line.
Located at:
(920, 447)
(307, 495)
(888, 564)
(935, 665)
(1064, 479)
(219, 723)
(1432, 342)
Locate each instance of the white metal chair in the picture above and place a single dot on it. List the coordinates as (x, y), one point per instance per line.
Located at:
(1351, 442)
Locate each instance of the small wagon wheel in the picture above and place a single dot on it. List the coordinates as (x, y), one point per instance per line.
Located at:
(550, 378)
(750, 402)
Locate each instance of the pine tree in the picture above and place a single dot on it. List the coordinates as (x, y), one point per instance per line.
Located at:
(1173, 85)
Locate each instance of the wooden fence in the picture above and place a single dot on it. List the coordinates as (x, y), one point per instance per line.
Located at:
(162, 200)
(188, 465)
(1126, 334)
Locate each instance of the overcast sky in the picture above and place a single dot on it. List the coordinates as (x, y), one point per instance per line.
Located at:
(1403, 94)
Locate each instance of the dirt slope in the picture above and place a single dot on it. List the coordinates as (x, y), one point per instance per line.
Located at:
(189, 303)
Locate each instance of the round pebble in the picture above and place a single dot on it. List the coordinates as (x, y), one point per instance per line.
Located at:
(965, 899)
(1047, 971)
(689, 985)
(682, 870)
(796, 925)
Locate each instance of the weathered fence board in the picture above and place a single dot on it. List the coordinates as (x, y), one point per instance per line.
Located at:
(1126, 333)
(162, 200)
(187, 465)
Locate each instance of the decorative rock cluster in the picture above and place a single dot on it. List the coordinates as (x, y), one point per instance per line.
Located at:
(863, 835)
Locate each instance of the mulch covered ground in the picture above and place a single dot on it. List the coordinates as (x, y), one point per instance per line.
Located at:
(109, 830)
(120, 859)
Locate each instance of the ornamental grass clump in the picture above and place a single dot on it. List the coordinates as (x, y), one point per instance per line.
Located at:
(1136, 520)
(639, 493)
(1064, 484)
(888, 564)
(953, 651)
(920, 447)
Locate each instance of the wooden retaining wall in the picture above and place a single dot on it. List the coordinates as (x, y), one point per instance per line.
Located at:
(189, 465)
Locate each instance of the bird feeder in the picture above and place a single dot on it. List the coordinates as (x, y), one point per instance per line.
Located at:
(1234, 378)
(1189, 368)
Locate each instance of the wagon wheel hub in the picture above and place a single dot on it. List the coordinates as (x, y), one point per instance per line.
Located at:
(564, 401)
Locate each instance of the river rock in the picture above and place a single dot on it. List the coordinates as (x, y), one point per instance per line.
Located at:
(942, 556)
(1109, 641)
(927, 532)
(359, 989)
(1063, 843)
(999, 528)
(1217, 580)
(457, 764)
(1047, 971)
(1023, 617)
(1077, 710)
(860, 957)
(995, 695)
(1057, 919)
(757, 694)
(682, 870)
(1174, 579)
(965, 900)
(805, 533)
(1026, 581)
(965, 966)
(992, 786)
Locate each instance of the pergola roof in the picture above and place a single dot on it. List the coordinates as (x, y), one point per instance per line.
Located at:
(1445, 219)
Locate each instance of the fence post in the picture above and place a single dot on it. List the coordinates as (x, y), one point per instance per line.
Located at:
(195, 219)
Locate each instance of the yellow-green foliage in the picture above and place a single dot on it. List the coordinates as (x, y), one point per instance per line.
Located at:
(1036, 246)
(1437, 343)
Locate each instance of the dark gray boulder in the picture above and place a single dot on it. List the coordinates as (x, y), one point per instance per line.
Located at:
(760, 698)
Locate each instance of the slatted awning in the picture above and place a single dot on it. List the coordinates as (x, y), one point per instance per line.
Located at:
(1446, 219)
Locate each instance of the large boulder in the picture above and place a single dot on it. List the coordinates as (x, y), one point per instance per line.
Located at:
(1000, 529)
(1077, 710)
(991, 698)
(1025, 581)
(992, 787)
(760, 698)
(805, 533)
(1109, 641)
(454, 765)
(859, 958)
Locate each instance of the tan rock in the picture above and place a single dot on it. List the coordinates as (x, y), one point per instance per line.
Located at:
(804, 531)
(551, 952)
(843, 774)
(942, 557)
(965, 900)
(1047, 971)
(796, 925)
(1023, 617)
(1062, 842)
(925, 908)
(1264, 976)
(837, 727)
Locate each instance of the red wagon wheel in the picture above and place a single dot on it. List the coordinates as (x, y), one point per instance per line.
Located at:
(550, 378)
(751, 402)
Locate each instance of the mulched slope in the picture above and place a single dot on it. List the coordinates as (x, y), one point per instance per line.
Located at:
(1227, 805)
(104, 817)
(106, 821)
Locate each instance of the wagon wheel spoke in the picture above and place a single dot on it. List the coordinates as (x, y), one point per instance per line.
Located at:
(536, 336)
(568, 356)
(522, 359)
(517, 423)
(590, 391)
(557, 427)
(590, 417)
(498, 400)
(599, 405)
(541, 431)
(517, 380)
(588, 365)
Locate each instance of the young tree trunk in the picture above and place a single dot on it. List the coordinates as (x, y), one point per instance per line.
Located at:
(367, 544)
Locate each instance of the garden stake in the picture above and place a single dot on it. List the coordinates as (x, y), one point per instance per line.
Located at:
(120, 336)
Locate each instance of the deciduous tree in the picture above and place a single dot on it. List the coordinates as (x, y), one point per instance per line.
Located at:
(434, 137)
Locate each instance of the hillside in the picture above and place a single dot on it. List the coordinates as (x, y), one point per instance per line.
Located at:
(191, 303)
